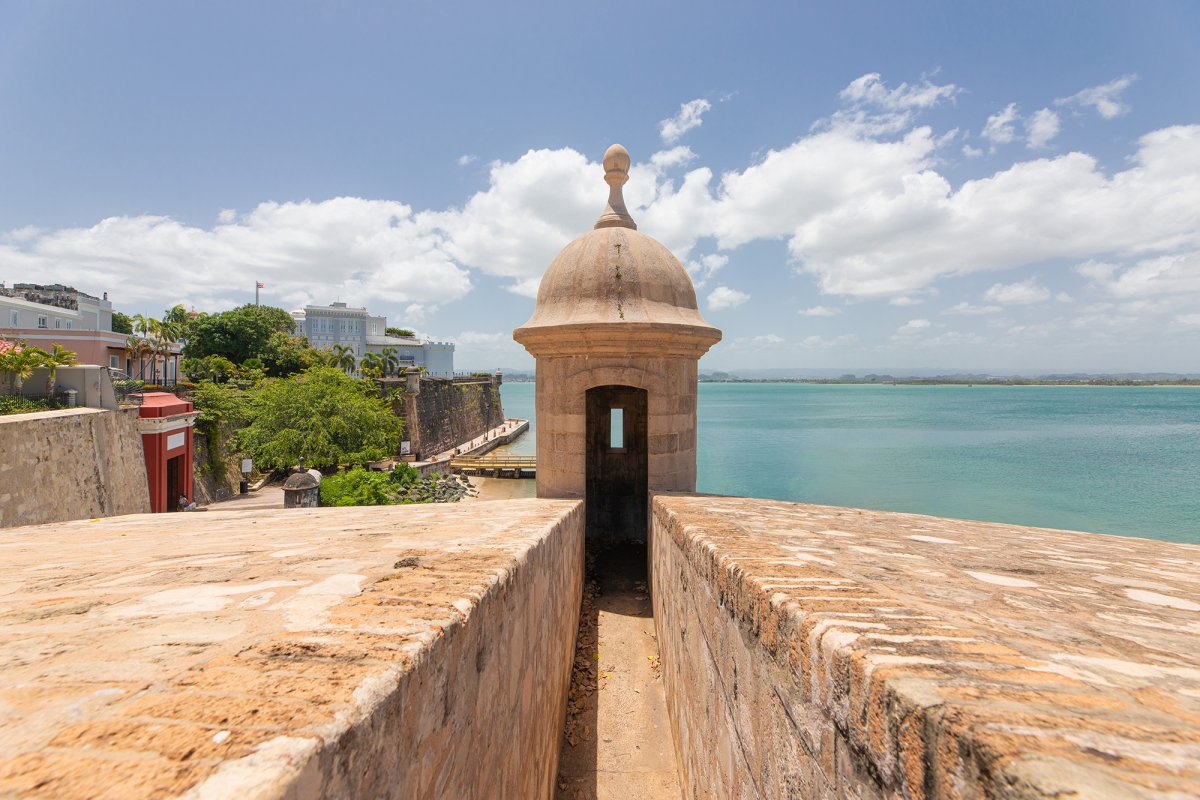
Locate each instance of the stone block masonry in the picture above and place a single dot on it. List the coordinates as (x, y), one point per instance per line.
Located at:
(446, 413)
(821, 652)
(79, 462)
(402, 652)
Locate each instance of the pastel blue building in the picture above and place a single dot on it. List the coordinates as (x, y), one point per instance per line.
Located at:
(363, 332)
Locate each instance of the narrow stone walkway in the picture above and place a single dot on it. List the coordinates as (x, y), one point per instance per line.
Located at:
(617, 739)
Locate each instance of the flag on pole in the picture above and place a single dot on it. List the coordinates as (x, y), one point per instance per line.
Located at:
(260, 285)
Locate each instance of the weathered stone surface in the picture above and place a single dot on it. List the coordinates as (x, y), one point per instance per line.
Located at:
(446, 413)
(415, 651)
(811, 651)
(79, 462)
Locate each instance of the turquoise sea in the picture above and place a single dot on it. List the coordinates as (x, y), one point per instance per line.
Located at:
(1115, 459)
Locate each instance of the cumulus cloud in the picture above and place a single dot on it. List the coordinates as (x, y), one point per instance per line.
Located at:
(768, 339)
(305, 252)
(913, 327)
(1041, 127)
(968, 310)
(675, 157)
(465, 159)
(872, 108)
(999, 126)
(971, 152)
(1020, 293)
(723, 297)
(1173, 276)
(703, 268)
(1106, 98)
(691, 115)
(819, 311)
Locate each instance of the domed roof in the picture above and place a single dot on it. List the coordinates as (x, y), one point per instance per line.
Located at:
(617, 277)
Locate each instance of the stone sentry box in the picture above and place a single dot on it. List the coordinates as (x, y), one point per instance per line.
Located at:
(616, 316)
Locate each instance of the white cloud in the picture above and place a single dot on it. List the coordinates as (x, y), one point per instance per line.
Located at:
(347, 247)
(874, 109)
(703, 268)
(819, 311)
(531, 209)
(1020, 293)
(1190, 320)
(971, 152)
(769, 339)
(690, 116)
(999, 126)
(1041, 127)
(967, 310)
(871, 89)
(911, 328)
(723, 297)
(465, 159)
(1106, 98)
(903, 227)
(1175, 276)
(905, 300)
(676, 156)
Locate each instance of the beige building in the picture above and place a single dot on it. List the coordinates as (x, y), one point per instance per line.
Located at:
(617, 336)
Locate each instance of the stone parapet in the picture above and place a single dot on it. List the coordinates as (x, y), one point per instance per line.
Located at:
(820, 652)
(407, 651)
(78, 462)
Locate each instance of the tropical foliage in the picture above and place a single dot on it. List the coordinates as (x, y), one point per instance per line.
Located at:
(322, 417)
(18, 361)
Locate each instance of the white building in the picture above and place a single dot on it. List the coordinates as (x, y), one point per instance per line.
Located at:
(358, 329)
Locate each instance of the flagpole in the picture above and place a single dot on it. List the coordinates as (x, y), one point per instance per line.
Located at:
(257, 284)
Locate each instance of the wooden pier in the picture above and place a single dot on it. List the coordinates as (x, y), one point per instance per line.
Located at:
(496, 466)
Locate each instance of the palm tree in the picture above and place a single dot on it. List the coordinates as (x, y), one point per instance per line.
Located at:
(344, 358)
(137, 346)
(166, 331)
(20, 362)
(391, 362)
(372, 362)
(57, 357)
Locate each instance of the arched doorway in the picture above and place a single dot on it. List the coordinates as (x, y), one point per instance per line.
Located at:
(617, 464)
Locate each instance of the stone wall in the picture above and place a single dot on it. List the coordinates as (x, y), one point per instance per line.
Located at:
(70, 464)
(446, 413)
(209, 484)
(821, 652)
(393, 652)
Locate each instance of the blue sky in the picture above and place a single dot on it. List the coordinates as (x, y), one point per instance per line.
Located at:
(853, 186)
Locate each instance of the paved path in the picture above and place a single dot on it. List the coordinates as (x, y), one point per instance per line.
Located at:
(617, 743)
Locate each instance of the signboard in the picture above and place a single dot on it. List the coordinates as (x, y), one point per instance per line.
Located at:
(247, 466)
(406, 448)
(176, 440)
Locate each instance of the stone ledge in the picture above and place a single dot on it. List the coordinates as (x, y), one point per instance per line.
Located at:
(325, 652)
(910, 656)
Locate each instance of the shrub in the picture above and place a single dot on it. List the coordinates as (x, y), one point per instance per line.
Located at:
(12, 404)
(358, 487)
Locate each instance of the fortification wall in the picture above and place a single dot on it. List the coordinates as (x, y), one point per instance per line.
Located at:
(821, 652)
(70, 464)
(447, 413)
(401, 651)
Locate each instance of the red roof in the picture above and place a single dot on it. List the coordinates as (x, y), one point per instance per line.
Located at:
(162, 404)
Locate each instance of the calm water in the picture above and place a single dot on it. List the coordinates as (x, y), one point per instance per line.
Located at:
(1109, 459)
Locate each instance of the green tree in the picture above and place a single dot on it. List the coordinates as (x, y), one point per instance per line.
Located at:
(372, 363)
(222, 409)
(238, 334)
(391, 362)
(121, 323)
(19, 363)
(358, 487)
(59, 356)
(344, 358)
(322, 416)
(404, 333)
(285, 354)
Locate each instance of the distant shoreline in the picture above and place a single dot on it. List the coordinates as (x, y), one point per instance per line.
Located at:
(1194, 383)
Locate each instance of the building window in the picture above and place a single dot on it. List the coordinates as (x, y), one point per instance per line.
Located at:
(113, 363)
(68, 324)
(58, 324)
(14, 319)
(42, 322)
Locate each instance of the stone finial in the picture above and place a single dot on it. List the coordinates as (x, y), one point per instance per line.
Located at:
(616, 173)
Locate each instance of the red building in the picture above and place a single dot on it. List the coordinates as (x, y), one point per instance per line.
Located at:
(165, 423)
